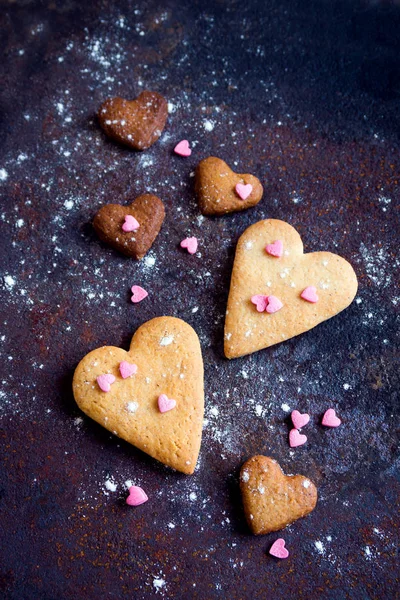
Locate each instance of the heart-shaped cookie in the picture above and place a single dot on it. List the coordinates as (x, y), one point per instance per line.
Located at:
(271, 499)
(135, 123)
(167, 354)
(147, 210)
(217, 188)
(258, 273)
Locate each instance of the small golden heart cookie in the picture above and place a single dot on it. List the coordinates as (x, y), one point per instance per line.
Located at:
(135, 123)
(278, 292)
(271, 499)
(151, 396)
(220, 190)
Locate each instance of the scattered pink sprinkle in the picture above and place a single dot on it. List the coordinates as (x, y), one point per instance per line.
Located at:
(275, 249)
(138, 294)
(274, 304)
(299, 420)
(330, 419)
(127, 369)
(183, 148)
(243, 191)
(105, 381)
(278, 549)
(270, 304)
(165, 404)
(310, 294)
(296, 438)
(131, 224)
(190, 244)
(137, 496)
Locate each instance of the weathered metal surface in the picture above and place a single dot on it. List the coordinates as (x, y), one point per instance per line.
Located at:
(305, 95)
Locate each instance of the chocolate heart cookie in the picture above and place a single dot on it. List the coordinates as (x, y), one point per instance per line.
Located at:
(220, 190)
(135, 123)
(131, 229)
(271, 499)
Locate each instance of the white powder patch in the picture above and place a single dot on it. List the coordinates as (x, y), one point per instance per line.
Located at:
(192, 496)
(171, 525)
(258, 410)
(9, 282)
(159, 583)
(214, 411)
(3, 174)
(132, 407)
(69, 204)
(20, 223)
(378, 263)
(166, 340)
(245, 476)
(128, 484)
(78, 422)
(149, 261)
(171, 107)
(208, 125)
(244, 374)
(306, 483)
(285, 407)
(110, 485)
(320, 547)
(346, 386)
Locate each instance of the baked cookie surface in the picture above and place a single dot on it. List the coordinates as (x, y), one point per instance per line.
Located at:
(271, 499)
(270, 298)
(164, 359)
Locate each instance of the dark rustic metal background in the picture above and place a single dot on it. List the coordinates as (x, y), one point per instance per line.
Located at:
(304, 94)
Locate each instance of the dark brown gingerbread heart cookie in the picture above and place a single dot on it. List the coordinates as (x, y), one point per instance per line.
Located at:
(220, 190)
(135, 123)
(131, 229)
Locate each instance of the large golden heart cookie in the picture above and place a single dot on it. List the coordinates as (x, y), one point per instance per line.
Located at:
(278, 292)
(151, 396)
(271, 499)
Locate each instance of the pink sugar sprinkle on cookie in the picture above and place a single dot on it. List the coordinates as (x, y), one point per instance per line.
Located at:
(274, 304)
(261, 302)
(165, 404)
(310, 294)
(127, 369)
(105, 381)
(137, 496)
(278, 549)
(138, 294)
(243, 191)
(296, 438)
(130, 224)
(275, 249)
(190, 244)
(330, 419)
(183, 148)
(299, 420)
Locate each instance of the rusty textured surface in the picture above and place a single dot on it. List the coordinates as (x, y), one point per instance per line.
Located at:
(306, 96)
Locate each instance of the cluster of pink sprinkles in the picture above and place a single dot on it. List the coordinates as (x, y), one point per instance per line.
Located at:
(300, 420)
(137, 496)
(130, 224)
(191, 244)
(278, 549)
(269, 304)
(243, 190)
(106, 380)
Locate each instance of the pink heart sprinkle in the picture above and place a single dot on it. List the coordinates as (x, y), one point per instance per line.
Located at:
(165, 404)
(330, 419)
(278, 549)
(127, 369)
(260, 301)
(137, 496)
(299, 420)
(310, 294)
(275, 249)
(296, 438)
(243, 191)
(105, 381)
(190, 244)
(131, 224)
(274, 304)
(183, 148)
(138, 294)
